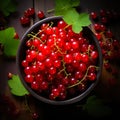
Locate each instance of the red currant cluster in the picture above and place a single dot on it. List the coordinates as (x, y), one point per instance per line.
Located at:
(105, 17)
(109, 44)
(30, 13)
(59, 63)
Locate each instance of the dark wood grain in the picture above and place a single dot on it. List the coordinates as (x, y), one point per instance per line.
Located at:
(14, 19)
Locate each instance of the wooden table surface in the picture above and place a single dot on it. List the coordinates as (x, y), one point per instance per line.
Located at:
(47, 112)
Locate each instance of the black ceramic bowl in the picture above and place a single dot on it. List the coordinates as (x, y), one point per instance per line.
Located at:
(21, 55)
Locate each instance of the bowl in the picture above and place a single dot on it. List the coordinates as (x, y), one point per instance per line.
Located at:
(78, 79)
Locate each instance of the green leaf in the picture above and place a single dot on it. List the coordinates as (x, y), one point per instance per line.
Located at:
(74, 3)
(61, 6)
(67, 10)
(96, 107)
(12, 7)
(79, 20)
(10, 44)
(69, 15)
(16, 86)
(68, 18)
(83, 20)
(8, 6)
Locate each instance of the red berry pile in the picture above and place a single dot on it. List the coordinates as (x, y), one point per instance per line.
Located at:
(59, 64)
(110, 45)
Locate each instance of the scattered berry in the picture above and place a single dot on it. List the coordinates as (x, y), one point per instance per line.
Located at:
(16, 36)
(25, 21)
(30, 12)
(41, 14)
(35, 116)
(10, 75)
(93, 15)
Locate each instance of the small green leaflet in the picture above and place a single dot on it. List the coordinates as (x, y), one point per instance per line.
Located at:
(16, 86)
(7, 7)
(96, 107)
(76, 20)
(9, 43)
(61, 6)
(67, 10)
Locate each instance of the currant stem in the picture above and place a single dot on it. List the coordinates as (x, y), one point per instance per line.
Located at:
(67, 26)
(26, 104)
(64, 69)
(35, 36)
(88, 52)
(83, 77)
(50, 11)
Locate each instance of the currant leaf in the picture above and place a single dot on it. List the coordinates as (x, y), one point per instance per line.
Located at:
(8, 6)
(96, 107)
(69, 15)
(79, 20)
(9, 42)
(60, 7)
(68, 11)
(74, 3)
(16, 86)
(83, 20)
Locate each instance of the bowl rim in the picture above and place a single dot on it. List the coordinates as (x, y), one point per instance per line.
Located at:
(43, 99)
